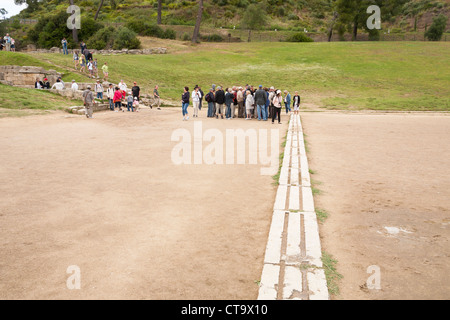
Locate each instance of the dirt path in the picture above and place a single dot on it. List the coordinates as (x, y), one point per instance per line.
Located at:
(385, 183)
(104, 195)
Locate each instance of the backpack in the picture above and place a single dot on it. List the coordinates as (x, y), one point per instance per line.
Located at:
(208, 97)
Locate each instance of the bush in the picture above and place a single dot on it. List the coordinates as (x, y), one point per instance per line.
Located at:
(186, 37)
(299, 37)
(437, 28)
(102, 39)
(146, 29)
(212, 38)
(374, 35)
(126, 38)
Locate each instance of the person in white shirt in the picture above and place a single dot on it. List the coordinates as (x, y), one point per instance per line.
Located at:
(58, 85)
(122, 86)
(196, 96)
(99, 90)
(74, 86)
(110, 95)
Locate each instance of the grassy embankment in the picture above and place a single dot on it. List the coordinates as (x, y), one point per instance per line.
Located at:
(409, 76)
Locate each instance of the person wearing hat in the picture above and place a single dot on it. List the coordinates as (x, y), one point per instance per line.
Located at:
(210, 99)
(260, 100)
(276, 101)
(88, 99)
(46, 84)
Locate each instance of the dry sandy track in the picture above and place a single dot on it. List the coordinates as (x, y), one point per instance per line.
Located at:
(104, 195)
(377, 171)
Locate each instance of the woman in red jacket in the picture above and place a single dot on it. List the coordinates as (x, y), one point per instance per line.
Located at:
(118, 96)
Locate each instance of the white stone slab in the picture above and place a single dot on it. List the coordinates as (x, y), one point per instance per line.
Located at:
(317, 285)
(269, 282)
(273, 247)
(293, 239)
(312, 239)
(294, 198)
(292, 283)
(280, 200)
(307, 199)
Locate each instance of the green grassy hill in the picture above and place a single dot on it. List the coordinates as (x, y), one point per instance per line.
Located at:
(340, 75)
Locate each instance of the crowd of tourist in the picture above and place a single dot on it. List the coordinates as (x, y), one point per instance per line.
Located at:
(263, 103)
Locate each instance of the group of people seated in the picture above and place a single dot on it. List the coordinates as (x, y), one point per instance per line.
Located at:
(45, 84)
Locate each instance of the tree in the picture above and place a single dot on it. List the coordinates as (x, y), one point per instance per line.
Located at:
(74, 30)
(32, 5)
(437, 28)
(198, 22)
(159, 21)
(3, 12)
(255, 17)
(113, 6)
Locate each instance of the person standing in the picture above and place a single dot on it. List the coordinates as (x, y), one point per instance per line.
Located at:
(136, 91)
(7, 39)
(196, 95)
(89, 102)
(83, 63)
(156, 98)
(201, 98)
(123, 86)
(76, 59)
(210, 99)
(249, 101)
(287, 101)
(240, 101)
(64, 45)
(260, 101)
(117, 99)
(185, 103)
(277, 100)
(13, 45)
(271, 96)
(99, 90)
(110, 96)
(130, 101)
(233, 106)
(296, 102)
(220, 101)
(83, 47)
(105, 70)
(229, 97)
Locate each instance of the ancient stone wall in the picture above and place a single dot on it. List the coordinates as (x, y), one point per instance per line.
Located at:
(24, 76)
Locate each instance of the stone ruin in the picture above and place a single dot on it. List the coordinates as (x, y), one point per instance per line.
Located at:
(25, 77)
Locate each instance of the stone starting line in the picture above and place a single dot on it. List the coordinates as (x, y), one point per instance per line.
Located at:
(293, 268)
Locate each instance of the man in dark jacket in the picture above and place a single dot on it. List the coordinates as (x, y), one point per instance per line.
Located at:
(260, 100)
(220, 100)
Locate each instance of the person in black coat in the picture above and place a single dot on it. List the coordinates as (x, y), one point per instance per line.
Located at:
(220, 101)
(185, 103)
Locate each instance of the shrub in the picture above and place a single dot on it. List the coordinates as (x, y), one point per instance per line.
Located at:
(186, 37)
(126, 38)
(299, 37)
(212, 38)
(437, 28)
(102, 39)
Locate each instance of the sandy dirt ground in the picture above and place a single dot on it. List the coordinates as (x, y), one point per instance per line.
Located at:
(385, 184)
(105, 196)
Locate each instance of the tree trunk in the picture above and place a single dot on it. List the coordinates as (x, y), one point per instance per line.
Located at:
(98, 10)
(74, 30)
(159, 11)
(198, 22)
(355, 29)
(330, 31)
(249, 35)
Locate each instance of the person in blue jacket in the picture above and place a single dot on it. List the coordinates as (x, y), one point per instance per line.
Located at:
(287, 101)
(185, 103)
